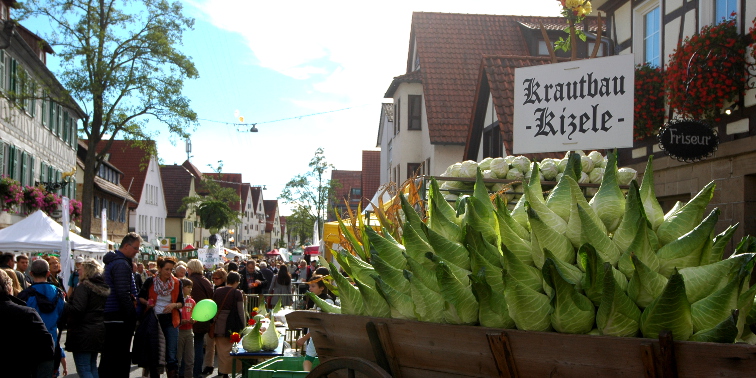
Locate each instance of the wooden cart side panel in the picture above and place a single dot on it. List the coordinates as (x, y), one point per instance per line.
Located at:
(449, 350)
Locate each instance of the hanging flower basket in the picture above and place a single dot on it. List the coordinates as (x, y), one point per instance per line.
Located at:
(707, 71)
(649, 101)
(11, 193)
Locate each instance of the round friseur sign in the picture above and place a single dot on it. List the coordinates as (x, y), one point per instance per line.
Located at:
(688, 140)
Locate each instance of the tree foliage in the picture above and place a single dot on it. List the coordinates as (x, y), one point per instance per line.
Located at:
(213, 205)
(310, 191)
(120, 62)
(300, 224)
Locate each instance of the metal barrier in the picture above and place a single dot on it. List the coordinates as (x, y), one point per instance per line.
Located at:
(295, 301)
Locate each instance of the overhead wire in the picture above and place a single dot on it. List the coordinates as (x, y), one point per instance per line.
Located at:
(281, 119)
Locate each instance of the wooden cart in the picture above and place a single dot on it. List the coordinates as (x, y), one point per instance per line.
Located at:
(382, 347)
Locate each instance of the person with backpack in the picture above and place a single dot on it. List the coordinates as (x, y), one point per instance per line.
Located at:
(48, 300)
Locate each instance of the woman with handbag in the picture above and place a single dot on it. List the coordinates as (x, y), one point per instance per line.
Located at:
(229, 319)
(162, 297)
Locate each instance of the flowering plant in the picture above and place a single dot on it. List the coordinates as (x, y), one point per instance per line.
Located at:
(251, 322)
(51, 202)
(11, 193)
(74, 208)
(34, 197)
(706, 71)
(574, 11)
(649, 101)
(235, 337)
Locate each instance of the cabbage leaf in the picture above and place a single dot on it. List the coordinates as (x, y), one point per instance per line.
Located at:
(686, 250)
(617, 314)
(670, 311)
(687, 217)
(493, 310)
(458, 293)
(645, 285)
(609, 202)
(572, 312)
(651, 205)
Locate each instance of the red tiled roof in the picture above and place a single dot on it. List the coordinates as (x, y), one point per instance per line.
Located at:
(244, 195)
(498, 73)
(34, 41)
(412, 77)
(229, 180)
(176, 185)
(449, 47)
(270, 207)
(371, 175)
(256, 195)
(132, 160)
(195, 172)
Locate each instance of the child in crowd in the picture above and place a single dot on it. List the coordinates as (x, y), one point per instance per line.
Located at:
(185, 353)
(317, 287)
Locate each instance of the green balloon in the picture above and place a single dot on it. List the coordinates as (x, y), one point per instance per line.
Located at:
(204, 310)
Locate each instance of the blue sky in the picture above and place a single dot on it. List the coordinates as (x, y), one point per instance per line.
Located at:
(277, 60)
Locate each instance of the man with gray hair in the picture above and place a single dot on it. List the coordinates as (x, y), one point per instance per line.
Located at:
(48, 300)
(31, 343)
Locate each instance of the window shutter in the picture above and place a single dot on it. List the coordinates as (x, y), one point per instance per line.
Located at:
(51, 123)
(65, 126)
(23, 173)
(59, 120)
(2, 69)
(13, 82)
(32, 163)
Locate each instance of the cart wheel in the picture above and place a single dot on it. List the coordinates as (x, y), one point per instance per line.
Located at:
(351, 365)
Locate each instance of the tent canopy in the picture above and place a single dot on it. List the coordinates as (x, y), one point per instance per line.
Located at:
(38, 232)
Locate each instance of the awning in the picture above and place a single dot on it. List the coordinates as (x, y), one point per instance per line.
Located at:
(312, 250)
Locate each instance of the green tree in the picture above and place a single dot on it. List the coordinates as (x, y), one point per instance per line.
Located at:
(300, 224)
(119, 61)
(213, 205)
(260, 242)
(310, 191)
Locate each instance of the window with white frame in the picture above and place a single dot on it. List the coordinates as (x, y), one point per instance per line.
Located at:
(723, 9)
(652, 37)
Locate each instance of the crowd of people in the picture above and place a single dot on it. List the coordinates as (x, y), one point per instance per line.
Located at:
(129, 314)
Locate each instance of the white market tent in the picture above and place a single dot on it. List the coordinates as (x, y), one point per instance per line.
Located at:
(38, 232)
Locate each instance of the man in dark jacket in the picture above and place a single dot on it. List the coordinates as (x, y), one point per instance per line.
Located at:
(252, 281)
(32, 343)
(120, 310)
(268, 274)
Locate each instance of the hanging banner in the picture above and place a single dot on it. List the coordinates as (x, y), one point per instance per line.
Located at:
(578, 105)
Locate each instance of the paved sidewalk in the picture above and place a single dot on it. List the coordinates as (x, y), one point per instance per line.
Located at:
(136, 372)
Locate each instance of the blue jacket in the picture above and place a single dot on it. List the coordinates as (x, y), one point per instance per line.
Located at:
(123, 290)
(54, 295)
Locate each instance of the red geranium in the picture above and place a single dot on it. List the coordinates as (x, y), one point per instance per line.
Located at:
(251, 322)
(649, 101)
(707, 71)
(235, 337)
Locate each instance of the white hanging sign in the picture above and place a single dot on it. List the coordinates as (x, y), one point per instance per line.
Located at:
(578, 105)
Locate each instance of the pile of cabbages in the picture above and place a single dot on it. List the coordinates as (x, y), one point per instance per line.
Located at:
(518, 168)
